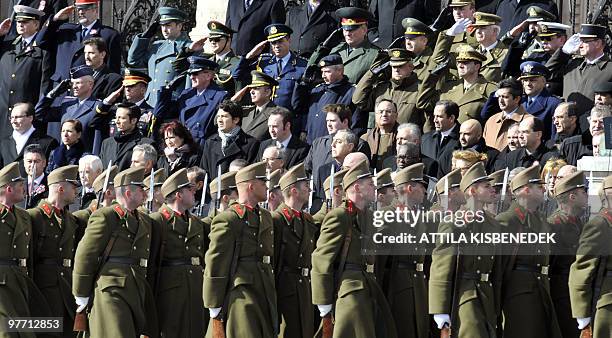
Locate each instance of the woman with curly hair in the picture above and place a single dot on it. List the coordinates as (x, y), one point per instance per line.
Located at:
(178, 148)
(464, 159)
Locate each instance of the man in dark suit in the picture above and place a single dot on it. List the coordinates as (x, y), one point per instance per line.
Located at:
(390, 13)
(229, 143)
(20, 59)
(255, 121)
(249, 18)
(574, 148)
(532, 149)
(312, 23)
(446, 133)
(279, 127)
(81, 106)
(105, 80)
(24, 134)
(66, 39)
(35, 163)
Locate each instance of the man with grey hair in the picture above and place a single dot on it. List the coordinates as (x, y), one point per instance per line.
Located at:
(90, 167)
(274, 157)
(145, 156)
(575, 147)
(410, 134)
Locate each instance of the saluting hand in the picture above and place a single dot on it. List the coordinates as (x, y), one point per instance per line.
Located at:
(114, 96)
(198, 45)
(240, 94)
(518, 29)
(64, 13)
(5, 26)
(257, 50)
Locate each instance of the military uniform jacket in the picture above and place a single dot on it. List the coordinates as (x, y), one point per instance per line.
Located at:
(157, 57)
(491, 68)
(179, 245)
(593, 255)
(356, 62)
(479, 273)
(247, 295)
(128, 281)
(223, 77)
(106, 82)
(25, 75)
(470, 100)
(382, 145)
(256, 123)
(446, 46)
(295, 236)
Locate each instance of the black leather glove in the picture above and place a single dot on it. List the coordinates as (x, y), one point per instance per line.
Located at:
(381, 62)
(441, 67)
(444, 20)
(151, 30)
(176, 82)
(181, 63)
(60, 89)
(333, 39)
(526, 38)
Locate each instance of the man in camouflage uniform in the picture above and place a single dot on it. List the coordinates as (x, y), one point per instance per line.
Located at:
(238, 278)
(296, 235)
(179, 245)
(53, 237)
(122, 235)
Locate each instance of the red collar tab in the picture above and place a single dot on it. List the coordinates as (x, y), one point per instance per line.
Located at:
(350, 206)
(122, 213)
(46, 208)
(287, 214)
(521, 215)
(238, 208)
(166, 214)
(606, 214)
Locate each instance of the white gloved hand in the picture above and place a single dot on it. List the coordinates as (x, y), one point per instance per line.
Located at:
(583, 322)
(324, 309)
(572, 44)
(459, 27)
(81, 302)
(441, 319)
(214, 312)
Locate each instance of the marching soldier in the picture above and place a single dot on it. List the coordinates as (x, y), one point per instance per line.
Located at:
(228, 195)
(526, 281)
(53, 240)
(502, 201)
(465, 282)
(334, 197)
(385, 190)
(275, 196)
(179, 243)
(296, 234)
(452, 199)
(344, 287)
(238, 278)
(159, 177)
(567, 223)
(590, 275)
(111, 264)
(220, 41)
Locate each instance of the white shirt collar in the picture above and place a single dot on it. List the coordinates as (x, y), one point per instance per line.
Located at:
(286, 142)
(489, 48)
(139, 102)
(594, 60)
(38, 179)
(446, 133)
(89, 27)
(22, 139)
(512, 112)
(286, 59)
(29, 40)
(222, 56)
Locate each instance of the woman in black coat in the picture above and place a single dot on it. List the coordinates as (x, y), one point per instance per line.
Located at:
(178, 149)
(72, 148)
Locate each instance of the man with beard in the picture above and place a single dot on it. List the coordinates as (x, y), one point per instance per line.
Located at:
(105, 80)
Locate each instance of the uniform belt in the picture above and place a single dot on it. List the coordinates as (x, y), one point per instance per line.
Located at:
(195, 261)
(301, 271)
(483, 277)
(359, 267)
(65, 262)
(529, 268)
(418, 267)
(142, 262)
(264, 259)
(13, 261)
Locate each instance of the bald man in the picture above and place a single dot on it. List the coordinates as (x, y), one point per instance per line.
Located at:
(470, 137)
(532, 150)
(353, 158)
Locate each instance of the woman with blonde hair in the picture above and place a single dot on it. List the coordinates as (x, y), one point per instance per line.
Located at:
(464, 159)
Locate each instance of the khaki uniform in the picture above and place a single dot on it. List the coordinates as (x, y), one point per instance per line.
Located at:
(453, 43)
(121, 293)
(356, 63)
(246, 295)
(382, 145)
(296, 233)
(320, 215)
(424, 63)
(360, 306)
(54, 243)
(470, 101)
(496, 128)
(527, 306)
(179, 245)
(492, 68)
(592, 269)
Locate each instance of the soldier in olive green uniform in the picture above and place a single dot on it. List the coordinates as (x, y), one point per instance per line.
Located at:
(342, 278)
(238, 278)
(527, 306)
(401, 273)
(416, 38)
(502, 201)
(153, 205)
(452, 199)
(385, 192)
(295, 231)
(108, 197)
(228, 195)
(590, 279)
(465, 282)
(16, 229)
(496, 53)
(179, 245)
(358, 57)
(122, 237)
(220, 41)
(54, 242)
(566, 222)
(332, 202)
(275, 196)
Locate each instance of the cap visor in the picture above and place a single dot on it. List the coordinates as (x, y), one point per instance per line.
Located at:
(350, 27)
(272, 38)
(397, 63)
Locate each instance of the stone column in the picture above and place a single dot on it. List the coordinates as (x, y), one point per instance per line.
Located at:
(207, 10)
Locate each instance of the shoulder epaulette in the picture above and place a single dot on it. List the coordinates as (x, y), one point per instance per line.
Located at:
(119, 211)
(239, 210)
(166, 214)
(521, 215)
(606, 214)
(46, 208)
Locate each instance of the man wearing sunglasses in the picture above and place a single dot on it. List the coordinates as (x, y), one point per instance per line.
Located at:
(220, 43)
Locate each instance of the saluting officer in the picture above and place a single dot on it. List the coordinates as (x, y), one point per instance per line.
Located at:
(343, 282)
(567, 222)
(179, 243)
(255, 120)
(296, 234)
(220, 42)
(53, 237)
(111, 264)
(470, 308)
(591, 273)
(526, 281)
(238, 278)
(334, 196)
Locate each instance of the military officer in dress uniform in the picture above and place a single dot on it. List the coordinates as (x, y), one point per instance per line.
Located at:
(179, 243)
(334, 197)
(416, 37)
(486, 28)
(228, 194)
(591, 274)
(567, 222)
(111, 264)
(343, 282)
(526, 279)
(357, 52)
(238, 278)
(255, 121)
(468, 303)
(158, 56)
(296, 234)
(159, 177)
(220, 41)
(54, 241)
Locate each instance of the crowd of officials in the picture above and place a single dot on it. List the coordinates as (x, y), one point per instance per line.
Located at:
(226, 186)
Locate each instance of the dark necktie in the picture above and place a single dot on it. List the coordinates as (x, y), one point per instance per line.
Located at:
(279, 66)
(83, 33)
